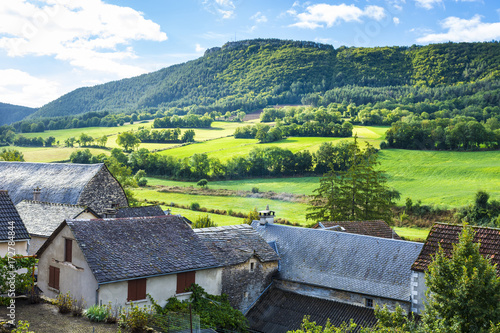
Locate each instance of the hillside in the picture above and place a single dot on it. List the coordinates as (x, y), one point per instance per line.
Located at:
(11, 113)
(255, 73)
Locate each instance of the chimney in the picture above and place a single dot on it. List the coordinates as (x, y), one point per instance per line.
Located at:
(110, 211)
(266, 216)
(36, 194)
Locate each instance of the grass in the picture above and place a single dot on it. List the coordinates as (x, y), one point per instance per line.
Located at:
(294, 212)
(192, 215)
(44, 154)
(409, 233)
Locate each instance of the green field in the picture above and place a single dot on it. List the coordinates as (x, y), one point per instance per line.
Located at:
(416, 234)
(220, 220)
(294, 212)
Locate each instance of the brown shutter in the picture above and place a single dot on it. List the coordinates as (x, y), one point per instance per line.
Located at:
(68, 255)
(184, 281)
(132, 290)
(190, 278)
(141, 289)
(51, 276)
(56, 277)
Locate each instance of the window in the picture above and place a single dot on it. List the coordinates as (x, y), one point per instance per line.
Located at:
(252, 266)
(68, 250)
(136, 290)
(369, 302)
(184, 281)
(54, 277)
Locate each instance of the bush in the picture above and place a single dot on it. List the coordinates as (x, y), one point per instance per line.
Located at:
(97, 313)
(65, 302)
(77, 309)
(255, 189)
(194, 206)
(22, 327)
(204, 222)
(135, 318)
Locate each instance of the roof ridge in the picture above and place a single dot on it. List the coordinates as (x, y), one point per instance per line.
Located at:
(53, 203)
(461, 226)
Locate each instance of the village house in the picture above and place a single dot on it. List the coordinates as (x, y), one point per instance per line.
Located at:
(349, 273)
(42, 218)
(14, 237)
(120, 260)
(447, 235)
(375, 228)
(90, 185)
(249, 262)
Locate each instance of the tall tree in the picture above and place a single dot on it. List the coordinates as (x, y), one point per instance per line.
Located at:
(128, 140)
(463, 291)
(360, 193)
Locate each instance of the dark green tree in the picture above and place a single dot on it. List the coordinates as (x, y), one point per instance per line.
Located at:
(360, 193)
(204, 222)
(128, 141)
(462, 289)
(11, 155)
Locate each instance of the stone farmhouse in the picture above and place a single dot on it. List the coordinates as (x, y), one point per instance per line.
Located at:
(13, 233)
(249, 263)
(345, 271)
(121, 260)
(90, 185)
(446, 235)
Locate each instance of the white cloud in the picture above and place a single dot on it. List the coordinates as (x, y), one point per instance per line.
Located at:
(88, 34)
(396, 20)
(462, 30)
(259, 17)
(428, 4)
(224, 8)
(319, 15)
(200, 48)
(18, 87)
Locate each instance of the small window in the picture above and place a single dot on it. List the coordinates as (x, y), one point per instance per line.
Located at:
(252, 266)
(136, 290)
(54, 273)
(369, 302)
(184, 281)
(68, 250)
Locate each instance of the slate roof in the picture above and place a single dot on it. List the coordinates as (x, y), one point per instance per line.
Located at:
(375, 228)
(355, 263)
(42, 218)
(59, 182)
(8, 213)
(280, 311)
(235, 244)
(128, 248)
(447, 234)
(139, 211)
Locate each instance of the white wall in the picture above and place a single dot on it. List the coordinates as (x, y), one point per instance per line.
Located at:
(160, 288)
(75, 277)
(20, 248)
(418, 289)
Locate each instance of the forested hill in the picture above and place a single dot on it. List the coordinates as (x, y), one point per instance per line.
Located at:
(10, 113)
(255, 73)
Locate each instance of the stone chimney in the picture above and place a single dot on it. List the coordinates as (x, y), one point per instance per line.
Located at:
(266, 216)
(110, 211)
(36, 194)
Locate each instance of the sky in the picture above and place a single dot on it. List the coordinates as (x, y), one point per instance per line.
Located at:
(51, 47)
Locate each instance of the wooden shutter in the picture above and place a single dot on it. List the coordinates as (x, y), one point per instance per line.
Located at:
(54, 273)
(68, 254)
(136, 290)
(184, 281)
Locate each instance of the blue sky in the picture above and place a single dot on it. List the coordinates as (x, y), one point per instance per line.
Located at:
(50, 47)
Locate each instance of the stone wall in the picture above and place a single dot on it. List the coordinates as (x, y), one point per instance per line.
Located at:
(418, 289)
(243, 283)
(340, 295)
(102, 191)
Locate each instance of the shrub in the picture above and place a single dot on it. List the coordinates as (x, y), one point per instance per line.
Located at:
(135, 319)
(255, 189)
(97, 313)
(22, 327)
(204, 222)
(194, 206)
(65, 302)
(77, 309)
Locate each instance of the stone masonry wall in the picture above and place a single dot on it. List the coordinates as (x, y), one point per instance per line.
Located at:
(243, 286)
(102, 191)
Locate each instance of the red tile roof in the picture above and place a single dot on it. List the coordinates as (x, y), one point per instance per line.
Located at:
(375, 228)
(447, 235)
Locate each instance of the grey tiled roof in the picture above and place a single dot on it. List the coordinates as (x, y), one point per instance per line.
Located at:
(235, 244)
(280, 311)
(59, 182)
(139, 211)
(356, 263)
(376, 228)
(42, 218)
(8, 213)
(122, 249)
